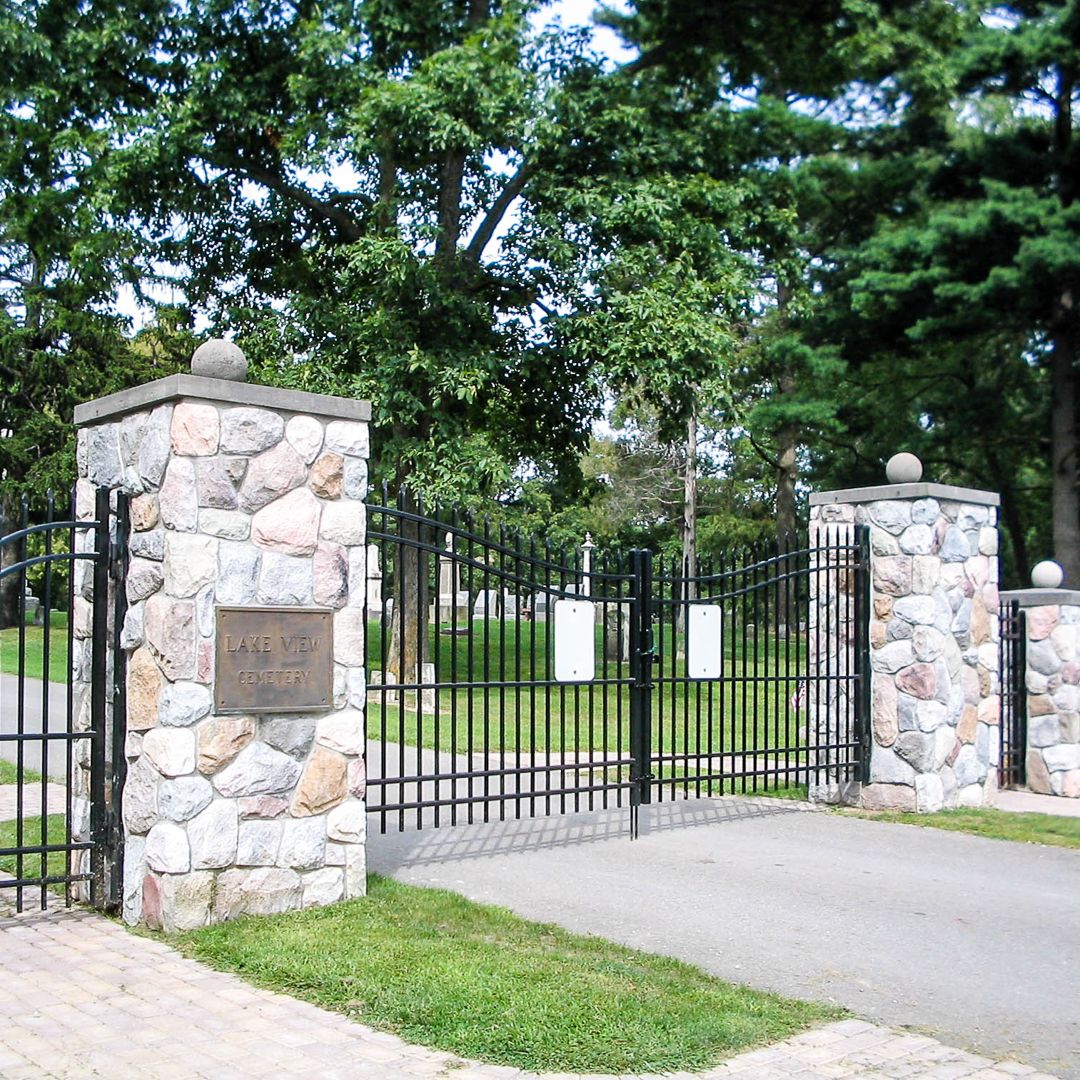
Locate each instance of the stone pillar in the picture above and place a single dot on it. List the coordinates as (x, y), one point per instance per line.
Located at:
(241, 496)
(933, 639)
(1052, 677)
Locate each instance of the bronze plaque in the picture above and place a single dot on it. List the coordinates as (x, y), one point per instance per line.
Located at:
(274, 659)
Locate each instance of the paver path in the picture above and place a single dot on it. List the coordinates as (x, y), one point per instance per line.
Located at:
(31, 800)
(81, 997)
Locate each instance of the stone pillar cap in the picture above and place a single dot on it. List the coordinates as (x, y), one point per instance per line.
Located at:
(924, 490)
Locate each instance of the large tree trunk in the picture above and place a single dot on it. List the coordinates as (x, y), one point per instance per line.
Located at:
(689, 519)
(9, 555)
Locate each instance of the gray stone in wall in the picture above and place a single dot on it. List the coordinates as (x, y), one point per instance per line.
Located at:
(238, 573)
(303, 843)
(917, 540)
(972, 517)
(347, 437)
(893, 517)
(954, 546)
(887, 767)
(883, 543)
(140, 803)
(925, 511)
(218, 481)
(155, 446)
(226, 524)
(1062, 757)
(285, 579)
(325, 886)
(917, 749)
(143, 578)
(258, 843)
(190, 563)
(1042, 657)
(250, 430)
(305, 436)
(184, 797)
(915, 609)
(968, 768)
(131, 636)
(293, 735)
(182, 704)
(134, 872)
(167, 849)
(259, 891)
(356, 479)
(104, 467)
(258, 770)
(892, 657)
(212, 835)
(148, 545)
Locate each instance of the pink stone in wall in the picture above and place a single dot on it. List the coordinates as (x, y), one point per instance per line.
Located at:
(892, 575)
(1070, 673)
(1070, 784)
(289, 525)
(195, 429)
(918, 680)
(331, 575)
(991, 597)
(357, 776)
(151, 902)
(262, 806)
(1041, 622)
(271, 475)
(204, 663)
(990, 711)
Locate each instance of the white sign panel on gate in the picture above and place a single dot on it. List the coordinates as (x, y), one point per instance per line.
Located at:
(575, 641)
(704, 644)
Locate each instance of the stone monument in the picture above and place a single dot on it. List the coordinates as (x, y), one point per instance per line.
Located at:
(243, 640)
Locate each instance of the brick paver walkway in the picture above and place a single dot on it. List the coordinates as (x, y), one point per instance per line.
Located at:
(81, 997)
(31, 800)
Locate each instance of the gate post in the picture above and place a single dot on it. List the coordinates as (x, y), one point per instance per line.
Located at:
(934, 688)
(237, 644)
(1043, 742)
(641, 659)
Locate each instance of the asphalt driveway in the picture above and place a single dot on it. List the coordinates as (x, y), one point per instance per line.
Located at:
(974, 941)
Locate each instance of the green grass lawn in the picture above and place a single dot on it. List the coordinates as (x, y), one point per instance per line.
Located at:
(31, 864)
(996, 824)
(475, 980)
(709, 716)
(9, 774)
(35, 649)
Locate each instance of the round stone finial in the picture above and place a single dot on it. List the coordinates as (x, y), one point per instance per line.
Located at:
(220, 359)
(903, 469)
(1047, 575)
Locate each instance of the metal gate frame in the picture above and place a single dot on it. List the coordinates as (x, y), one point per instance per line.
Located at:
(98, 544)
(475, 759)
(1012, 665)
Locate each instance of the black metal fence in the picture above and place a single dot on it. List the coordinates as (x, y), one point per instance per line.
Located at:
(54, 695)
(468, 718)
(1012, 762)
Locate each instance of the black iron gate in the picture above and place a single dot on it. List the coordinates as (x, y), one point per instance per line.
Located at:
(468, 718)
(61, 703)
(1012, 762)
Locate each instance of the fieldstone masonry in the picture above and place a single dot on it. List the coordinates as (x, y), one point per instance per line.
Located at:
(1053, 689)
(933, 641)
(240, 495)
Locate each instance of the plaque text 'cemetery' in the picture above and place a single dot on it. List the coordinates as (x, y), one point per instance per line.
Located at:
(273, 659)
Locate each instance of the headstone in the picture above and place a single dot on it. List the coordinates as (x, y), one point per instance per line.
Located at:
(510, 604)
(617, 632)
(486, 605)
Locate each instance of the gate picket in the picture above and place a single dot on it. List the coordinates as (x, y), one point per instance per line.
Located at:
(50, 855)
(465, 718)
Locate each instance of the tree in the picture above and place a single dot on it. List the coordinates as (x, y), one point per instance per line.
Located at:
(71, 73)
(985, 248)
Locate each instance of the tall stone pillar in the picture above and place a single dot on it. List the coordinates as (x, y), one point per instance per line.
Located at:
(244, 636)
(933, 632)
(1052, 682)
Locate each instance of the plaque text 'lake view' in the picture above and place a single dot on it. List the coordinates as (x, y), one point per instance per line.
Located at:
(273, 659)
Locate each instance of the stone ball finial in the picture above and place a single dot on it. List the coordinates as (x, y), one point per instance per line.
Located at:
(1047, 575)
(903, 469)
(220, 359)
